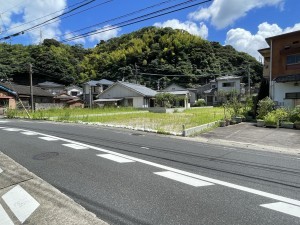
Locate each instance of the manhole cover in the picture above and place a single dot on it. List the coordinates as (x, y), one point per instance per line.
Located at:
(46, 155)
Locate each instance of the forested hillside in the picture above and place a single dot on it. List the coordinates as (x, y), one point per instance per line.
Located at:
(133, 56)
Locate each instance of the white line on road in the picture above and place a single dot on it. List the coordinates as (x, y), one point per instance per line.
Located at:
(210, 180)
(284, 208)
(20, 202)
(11, 129)
(29, 133)
(49, 138)
(115, 158)
(74, 146)
(183, 179)
(2, 121)
(145, 147)
(4, 218)
(1, 170)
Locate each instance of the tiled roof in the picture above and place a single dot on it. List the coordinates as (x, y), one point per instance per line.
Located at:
(25, 90)
(97, 82)
(228, 78)
(50, 84)
(143, 90)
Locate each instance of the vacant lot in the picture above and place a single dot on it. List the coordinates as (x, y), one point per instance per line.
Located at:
(163, 122)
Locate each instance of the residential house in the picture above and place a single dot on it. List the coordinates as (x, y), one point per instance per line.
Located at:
(74, 90)
(188, 96)
(216, 91)
(22, 92)
(282, 68)
(52, 87)
(7, 98)
(127, 94)
(93, 88)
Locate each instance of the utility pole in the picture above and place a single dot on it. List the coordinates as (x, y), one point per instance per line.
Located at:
(31, 88)
(249, 87)
(135, 72)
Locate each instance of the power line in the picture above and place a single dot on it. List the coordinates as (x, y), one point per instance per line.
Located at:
(127, 23)
(39, 18)
(7, 10)
(23, 31)
(120, 17)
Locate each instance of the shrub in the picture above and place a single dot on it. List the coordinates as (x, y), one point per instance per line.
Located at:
(11, 113)
(272, 118)
(200, 102)
(294, 114)
(265, 106)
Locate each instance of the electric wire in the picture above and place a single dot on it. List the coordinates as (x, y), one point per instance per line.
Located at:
(136, 20)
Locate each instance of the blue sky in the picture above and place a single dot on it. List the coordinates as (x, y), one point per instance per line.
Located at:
(244, 24)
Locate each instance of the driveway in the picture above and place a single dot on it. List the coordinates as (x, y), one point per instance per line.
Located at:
(251, 136)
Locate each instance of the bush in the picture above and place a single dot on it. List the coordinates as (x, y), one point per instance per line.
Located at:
(272, 118)
(199, 103)
(11, 113)
(265, 106)
(294, 114)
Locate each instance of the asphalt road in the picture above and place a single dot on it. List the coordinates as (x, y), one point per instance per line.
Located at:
(129, 177)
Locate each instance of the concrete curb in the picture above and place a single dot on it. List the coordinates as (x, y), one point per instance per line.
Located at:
(26, 198)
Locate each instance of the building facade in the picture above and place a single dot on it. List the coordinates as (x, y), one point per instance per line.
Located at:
(282, 68)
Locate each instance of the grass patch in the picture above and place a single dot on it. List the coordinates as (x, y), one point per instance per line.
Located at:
(162, 122)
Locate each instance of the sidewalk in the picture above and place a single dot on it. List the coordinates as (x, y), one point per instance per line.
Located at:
(27, 199)
(248, 135)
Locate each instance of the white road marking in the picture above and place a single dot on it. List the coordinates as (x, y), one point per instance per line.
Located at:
(284, 208)
(145, 147)
(11, 129)
(49, 138)
(183, 179)
(20, 202)
(4, 218)
(1, 170)
(211, 180)
(75, 146)
(2, 121)
(29, 133)
(115, 158)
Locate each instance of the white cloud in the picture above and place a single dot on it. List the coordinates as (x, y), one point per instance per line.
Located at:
(223, 13)
(243, 40)
(188, 26)
(105, 33)
(20, 16)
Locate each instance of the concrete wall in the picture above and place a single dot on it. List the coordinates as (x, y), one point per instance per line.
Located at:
(279, 93)
(138, 102)
(237, 85)
(39, 106)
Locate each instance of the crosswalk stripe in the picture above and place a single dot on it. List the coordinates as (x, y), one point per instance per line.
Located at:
(20, 202)
(4, 218)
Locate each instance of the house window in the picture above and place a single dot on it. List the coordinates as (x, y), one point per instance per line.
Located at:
(293, 59)
(228, 84)
(74, 93)
(295, 95)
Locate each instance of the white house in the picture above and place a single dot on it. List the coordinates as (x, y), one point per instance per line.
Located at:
(188, 95)
(127, 94)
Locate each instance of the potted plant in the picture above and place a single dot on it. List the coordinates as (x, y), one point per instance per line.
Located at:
(287, 124)
(297, 125)
(260, 123)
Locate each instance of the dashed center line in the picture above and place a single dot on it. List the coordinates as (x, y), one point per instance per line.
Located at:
(284, 208)
(49, 138)
(183, 179)
(115, 158)
(21, 203)
(75, 146)
(29, 133)
(11, 129)
(145, 147)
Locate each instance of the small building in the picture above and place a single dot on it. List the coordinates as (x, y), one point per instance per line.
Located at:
(217, 91)
(23, 93)
(52, 87)
(185, 94)
(93, 88)
(74, 90)
(7, 99)
(128, 95)
(282, 68)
